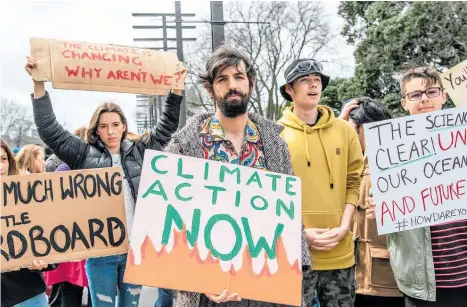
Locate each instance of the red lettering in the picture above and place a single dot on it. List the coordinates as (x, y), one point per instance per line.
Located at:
(463, 137)
(136, 61)
(85, 55)
(460, 187)
(119, 75)
(125, 75)
(394, 205)
(65, 53)
(98, 72)
(72, 72)
(96, 56)
(105, 57)
(135, 76)
(406, 205)
(166, 80)
(75, 55)
(156, 81)
(423, 198)
(441, 145)
(85, 72)
(111, 75)
(385, 209)
(71, 45)
(124, 58)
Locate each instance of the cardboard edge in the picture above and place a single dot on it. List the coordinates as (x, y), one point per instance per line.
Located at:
(109, 88)
(79, 256)
(40, 49)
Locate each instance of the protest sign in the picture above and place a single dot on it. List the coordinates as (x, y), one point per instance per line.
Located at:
(455, 83)
(62, 216)
(418, 168)
(106, 68)
(206, 226)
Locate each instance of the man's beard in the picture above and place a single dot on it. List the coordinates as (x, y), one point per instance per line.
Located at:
(235, 107)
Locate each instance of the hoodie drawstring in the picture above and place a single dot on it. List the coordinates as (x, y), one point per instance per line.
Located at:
(331, 180)
(307, 154)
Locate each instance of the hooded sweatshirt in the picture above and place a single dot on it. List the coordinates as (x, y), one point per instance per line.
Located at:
(328, 158)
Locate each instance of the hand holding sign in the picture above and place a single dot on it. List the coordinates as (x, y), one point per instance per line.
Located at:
(224, 297)
(180, 75)
(38, 265)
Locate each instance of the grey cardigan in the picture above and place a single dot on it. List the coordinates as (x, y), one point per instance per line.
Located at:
(187, 142)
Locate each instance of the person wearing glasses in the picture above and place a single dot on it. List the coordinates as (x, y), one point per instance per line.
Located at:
(327, 156)
(429, 264)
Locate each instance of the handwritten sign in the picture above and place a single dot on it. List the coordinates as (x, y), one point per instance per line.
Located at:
(455, 83)
(62, 216)
(220, 226)
(107, 68)
(418, 167)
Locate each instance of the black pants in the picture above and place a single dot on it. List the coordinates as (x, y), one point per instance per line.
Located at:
(378, 301)
(66, 295)
(456, 297)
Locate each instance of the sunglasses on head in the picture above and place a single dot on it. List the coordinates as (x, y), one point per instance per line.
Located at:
(305, 66)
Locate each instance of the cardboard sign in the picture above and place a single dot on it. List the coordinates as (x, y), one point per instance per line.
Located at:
(455, 83)
(106, 68)
(418, 168)
(62, 216)
(205, 226)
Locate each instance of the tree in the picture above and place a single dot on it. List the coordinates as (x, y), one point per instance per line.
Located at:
(281, 32)
(394, 36)
(272, 34)
(338, 91)
(16, 124)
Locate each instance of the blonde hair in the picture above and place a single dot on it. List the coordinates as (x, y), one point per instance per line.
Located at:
(145, 137)
(27, 156)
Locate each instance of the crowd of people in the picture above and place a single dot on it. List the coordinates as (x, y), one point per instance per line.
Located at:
(344, 261)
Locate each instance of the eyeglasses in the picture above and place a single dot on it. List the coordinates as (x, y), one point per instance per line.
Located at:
(305, 66)
(432, 92)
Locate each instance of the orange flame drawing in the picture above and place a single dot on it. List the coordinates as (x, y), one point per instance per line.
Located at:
(184, 269)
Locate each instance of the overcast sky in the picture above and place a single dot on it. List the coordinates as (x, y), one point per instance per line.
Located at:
(103, 21)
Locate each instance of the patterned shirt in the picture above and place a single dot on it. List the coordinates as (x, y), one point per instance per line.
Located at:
(217, 147)
(449, 243)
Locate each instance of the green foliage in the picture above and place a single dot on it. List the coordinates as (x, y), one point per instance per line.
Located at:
(394, 36)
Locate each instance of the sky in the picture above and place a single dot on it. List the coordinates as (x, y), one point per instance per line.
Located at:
(103, 21)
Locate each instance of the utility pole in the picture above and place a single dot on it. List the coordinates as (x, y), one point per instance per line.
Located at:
(217, 24)
(179, 39)
(178, 30)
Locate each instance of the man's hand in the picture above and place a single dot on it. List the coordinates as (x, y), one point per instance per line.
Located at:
(348, 107)
(38, 265)
(370, 211)
(224, 297)
(181, 71)
(330, 239)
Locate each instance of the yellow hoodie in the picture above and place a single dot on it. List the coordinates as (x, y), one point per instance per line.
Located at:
(328, 159)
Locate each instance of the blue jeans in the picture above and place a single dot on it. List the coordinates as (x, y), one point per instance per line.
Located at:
(106, 286)
(36, 301)
(165, 298)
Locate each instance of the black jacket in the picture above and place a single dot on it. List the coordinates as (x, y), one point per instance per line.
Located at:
(80, 155)
(19, 286)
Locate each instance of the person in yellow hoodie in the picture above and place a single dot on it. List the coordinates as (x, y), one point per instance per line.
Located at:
(326, 155)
